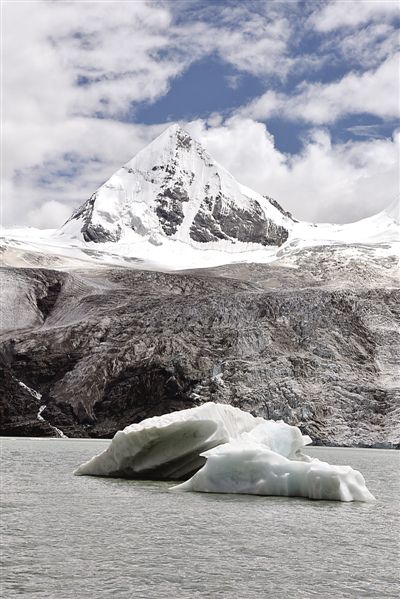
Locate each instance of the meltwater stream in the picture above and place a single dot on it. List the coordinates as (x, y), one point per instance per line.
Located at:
(70, 537)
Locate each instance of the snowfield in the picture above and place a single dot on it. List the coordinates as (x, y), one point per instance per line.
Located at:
(55, 248)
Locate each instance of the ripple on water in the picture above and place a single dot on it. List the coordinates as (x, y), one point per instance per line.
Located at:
(66, 537)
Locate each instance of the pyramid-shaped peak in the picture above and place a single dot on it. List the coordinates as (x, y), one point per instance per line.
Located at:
(173, 145)
(173, 188)
(175, 135)
(175, 128)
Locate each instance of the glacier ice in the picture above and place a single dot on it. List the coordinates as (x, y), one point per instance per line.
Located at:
(168, 447)
(226, 450)
(244, 466)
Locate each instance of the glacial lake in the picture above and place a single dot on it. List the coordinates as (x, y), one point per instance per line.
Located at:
(68, 537)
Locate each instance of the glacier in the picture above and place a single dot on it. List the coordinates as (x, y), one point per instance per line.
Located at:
(226, 450)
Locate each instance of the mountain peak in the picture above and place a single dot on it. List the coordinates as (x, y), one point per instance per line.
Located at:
(173, 188)
(175, 129)
(166, 148)
(173, 134)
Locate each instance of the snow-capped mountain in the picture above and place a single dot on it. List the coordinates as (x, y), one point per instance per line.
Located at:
(174, 189)
(173, 207)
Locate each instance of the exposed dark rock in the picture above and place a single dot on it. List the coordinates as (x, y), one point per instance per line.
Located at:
(169, 209)
(121, 345)
(19, 408)
(99, 234)
(92, 231)
(46, 303)
(184, 140)
(279, 207)
(204, 227)
(141, 392)
(212, 222)
(85, 211)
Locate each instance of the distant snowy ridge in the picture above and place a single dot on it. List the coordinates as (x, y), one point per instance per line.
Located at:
(52, 248)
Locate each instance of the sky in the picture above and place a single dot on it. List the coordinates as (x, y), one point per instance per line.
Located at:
(298, 100)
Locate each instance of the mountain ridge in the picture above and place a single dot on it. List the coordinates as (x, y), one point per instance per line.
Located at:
(173, 207)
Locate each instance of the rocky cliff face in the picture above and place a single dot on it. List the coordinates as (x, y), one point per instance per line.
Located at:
(111, 347)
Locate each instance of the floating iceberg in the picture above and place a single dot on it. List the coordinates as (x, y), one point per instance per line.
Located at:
(227, 451)
(248, 467)
(168, 447)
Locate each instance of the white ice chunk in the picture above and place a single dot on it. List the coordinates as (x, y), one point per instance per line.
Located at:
(168, 447)
(280, 437)
(230, 451)
(247, 466)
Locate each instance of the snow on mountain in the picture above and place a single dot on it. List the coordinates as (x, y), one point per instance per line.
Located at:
(173, 207)
(174, 189)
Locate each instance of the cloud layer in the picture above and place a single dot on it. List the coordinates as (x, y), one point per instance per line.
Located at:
(375, 92)
(71, 91)
(322, 183)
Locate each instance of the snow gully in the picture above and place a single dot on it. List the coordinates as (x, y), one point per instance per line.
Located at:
(39, 416)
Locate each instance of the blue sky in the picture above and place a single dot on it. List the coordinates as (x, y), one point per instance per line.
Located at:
(212, 85)
(299, 100)
(207, 86)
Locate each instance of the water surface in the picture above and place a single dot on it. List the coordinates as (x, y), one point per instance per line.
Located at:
(92, 538)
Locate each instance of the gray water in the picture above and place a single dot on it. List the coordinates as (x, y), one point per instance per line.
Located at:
(81, 537)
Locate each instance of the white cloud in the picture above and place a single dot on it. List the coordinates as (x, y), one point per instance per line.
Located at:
(375, 92)
(47, 117)
(324, 183)
(89, 150)
(337, 183)
(353, 13)
(56, 151)
(369, 131)
(258, 47)
(252, 37)
(49, 215)
(122, 53)
(369, 46)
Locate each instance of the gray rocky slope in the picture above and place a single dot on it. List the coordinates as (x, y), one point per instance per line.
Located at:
(108, 347)
(311, 337)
